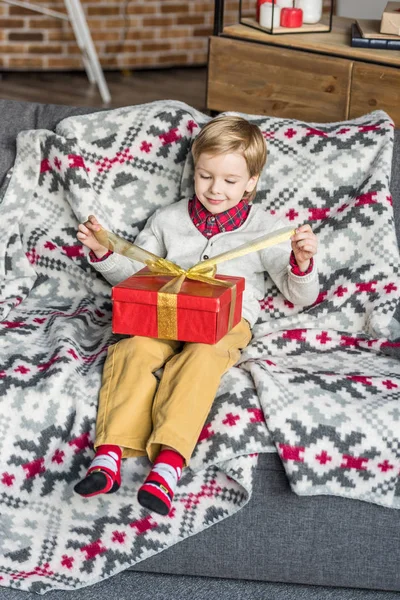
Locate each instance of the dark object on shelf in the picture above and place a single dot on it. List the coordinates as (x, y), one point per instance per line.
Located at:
(359, 41)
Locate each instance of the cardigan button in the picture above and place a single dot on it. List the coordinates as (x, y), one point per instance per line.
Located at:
(206, 257)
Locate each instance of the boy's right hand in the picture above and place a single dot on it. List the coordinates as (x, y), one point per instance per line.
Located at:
(86, 236)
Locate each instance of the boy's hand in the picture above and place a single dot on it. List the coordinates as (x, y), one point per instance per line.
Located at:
(304, 246)
(86, 236)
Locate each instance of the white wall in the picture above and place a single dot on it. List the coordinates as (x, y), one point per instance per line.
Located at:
(364, 9)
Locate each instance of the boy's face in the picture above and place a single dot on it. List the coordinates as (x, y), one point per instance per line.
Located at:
(221, 180)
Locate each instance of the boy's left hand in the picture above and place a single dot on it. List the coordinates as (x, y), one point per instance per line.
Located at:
(304, 246)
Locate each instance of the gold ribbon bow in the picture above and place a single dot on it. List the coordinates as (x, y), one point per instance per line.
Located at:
(203, 271)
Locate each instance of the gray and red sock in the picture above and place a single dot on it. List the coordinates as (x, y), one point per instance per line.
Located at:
(158, 490)
(104, 473)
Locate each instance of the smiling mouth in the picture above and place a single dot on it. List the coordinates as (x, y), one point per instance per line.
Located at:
(214, 201)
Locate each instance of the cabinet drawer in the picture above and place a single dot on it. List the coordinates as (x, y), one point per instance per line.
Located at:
(261, 79)
(375, 87)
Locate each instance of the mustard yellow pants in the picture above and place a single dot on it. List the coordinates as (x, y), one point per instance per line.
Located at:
(140, 418)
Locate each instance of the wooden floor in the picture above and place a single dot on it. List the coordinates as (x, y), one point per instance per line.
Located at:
(187, 84)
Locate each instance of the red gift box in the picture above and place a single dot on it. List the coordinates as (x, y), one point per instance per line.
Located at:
(203, 312)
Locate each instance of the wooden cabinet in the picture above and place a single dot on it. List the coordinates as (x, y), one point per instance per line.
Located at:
(248, 78)
(320, 79)
(373, 87)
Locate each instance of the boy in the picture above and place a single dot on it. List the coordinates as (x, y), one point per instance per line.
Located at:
(134, 417)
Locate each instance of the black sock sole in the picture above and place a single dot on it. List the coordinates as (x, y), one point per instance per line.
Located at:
(153, 503)
(94, 484)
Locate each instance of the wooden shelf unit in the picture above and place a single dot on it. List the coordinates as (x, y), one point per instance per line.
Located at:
(316, 77)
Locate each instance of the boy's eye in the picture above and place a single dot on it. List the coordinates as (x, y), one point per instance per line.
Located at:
(209, 177)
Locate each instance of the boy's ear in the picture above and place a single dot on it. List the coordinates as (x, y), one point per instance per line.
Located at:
(252, 183)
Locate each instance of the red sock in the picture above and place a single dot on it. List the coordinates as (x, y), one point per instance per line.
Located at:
(104, 473)
(157, 492)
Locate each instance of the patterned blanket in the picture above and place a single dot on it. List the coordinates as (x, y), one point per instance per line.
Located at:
(320, 386)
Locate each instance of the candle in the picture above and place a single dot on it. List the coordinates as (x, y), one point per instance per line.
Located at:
(284, 3)
(312, 10)
(291, 17)
(270, 15)
(259, 2)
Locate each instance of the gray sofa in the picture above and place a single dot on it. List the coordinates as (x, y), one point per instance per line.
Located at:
(280, 545)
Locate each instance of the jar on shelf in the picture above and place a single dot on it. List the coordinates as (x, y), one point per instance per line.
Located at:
(312, 10)
(270, 15)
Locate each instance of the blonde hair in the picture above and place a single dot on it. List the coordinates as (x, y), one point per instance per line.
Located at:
(232, 134)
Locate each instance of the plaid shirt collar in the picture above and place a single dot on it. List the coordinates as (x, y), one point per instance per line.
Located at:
(209, 224)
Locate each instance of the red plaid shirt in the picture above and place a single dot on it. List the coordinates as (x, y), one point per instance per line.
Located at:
(95, 259)
(209, 224)
(295, 267)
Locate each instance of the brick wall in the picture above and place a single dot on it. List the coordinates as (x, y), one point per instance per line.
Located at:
(126, 33)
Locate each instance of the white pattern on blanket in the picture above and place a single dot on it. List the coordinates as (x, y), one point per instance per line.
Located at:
(319, 376)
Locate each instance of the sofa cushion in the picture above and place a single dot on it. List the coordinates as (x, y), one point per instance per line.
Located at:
(395, 182)
(17, 116)
(134, 168)
(72, 341)
(279, 536)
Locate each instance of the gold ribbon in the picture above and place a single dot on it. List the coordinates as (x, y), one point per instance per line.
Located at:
(203, 271)
(167, 316)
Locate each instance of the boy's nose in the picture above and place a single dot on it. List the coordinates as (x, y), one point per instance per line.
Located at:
(215, 187)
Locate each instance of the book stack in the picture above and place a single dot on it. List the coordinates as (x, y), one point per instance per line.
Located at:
(366, 33)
